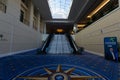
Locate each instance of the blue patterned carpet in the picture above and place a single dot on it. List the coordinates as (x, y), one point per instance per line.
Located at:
(27, 64)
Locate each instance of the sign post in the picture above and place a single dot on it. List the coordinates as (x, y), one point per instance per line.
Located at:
(111, 48)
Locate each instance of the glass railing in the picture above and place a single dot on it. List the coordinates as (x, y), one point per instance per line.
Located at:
(112, 5)
(105, 10)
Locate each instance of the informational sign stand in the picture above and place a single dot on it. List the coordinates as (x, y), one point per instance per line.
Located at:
(111, 48)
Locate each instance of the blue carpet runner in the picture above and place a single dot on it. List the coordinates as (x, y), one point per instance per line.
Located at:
(30, 64)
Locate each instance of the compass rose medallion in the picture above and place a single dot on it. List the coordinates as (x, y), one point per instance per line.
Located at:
(59, 74)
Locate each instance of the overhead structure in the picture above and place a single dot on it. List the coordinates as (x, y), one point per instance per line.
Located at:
(98, 8)
(60, 9)
(66, 13)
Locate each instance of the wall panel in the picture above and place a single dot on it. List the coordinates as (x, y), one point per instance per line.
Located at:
(92, 37)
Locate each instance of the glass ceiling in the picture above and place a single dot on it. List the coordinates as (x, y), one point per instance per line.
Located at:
(60, 9)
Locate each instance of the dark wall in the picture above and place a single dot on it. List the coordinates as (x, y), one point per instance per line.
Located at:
(52, 27)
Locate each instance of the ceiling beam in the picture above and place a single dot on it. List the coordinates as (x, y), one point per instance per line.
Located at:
(59, 21)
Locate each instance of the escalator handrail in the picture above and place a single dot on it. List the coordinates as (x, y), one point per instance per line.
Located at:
(76, 48)
(73, 43)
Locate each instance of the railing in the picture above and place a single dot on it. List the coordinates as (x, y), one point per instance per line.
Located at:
(104, 11)
(3, 7)
(76, 49)
(71, 43)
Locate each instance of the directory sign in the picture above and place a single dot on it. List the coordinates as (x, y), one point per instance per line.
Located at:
(111, 48)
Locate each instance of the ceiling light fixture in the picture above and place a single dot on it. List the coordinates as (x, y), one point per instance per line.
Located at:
(81, 25)
(59, 30)
(98, 8)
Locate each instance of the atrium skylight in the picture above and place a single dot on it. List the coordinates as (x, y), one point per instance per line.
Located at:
(60, 9)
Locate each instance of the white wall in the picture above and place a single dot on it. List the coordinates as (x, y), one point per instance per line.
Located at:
(73, 36)
(91, 38)
(44, 37)
(18, 35)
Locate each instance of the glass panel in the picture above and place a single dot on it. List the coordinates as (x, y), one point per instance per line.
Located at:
(60, 8)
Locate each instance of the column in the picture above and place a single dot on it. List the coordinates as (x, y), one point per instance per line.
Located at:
(38, 22)
(38, 31)
(44, 31)
(31, 14)
(44, 28)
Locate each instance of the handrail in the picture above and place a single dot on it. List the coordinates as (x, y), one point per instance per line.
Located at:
(73, 45)
(76, 47)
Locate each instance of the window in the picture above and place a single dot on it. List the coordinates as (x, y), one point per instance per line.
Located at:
(21, 16)
(24, 12)
(60, 9)
(3, 5)
(35, 18)
(25, 2)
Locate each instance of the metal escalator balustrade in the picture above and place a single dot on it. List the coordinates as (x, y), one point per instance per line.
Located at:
(76, 49)
(44, 47)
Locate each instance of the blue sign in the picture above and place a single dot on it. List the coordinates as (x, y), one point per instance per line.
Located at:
(111, 48)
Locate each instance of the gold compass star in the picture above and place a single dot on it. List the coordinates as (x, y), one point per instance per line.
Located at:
(59, 74)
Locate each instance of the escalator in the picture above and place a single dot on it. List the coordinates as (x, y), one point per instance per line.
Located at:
(59, 44)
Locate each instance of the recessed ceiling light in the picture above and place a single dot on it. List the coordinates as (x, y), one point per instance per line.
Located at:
(98, 8)
(59, 30)
(81, 25)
